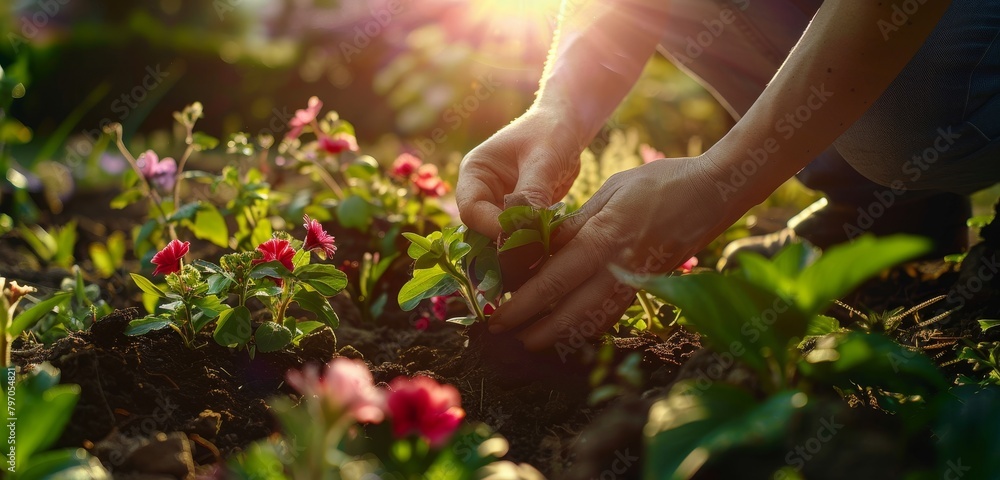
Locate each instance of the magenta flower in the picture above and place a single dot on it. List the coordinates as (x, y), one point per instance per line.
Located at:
(439, 306)
(346, 388)
(422, 323)
(428, 182)
(304, 117)
(276, 250)
(317, 238)
(168, 260)
(405, 166)
(421, 405)
(650, 154)
(338, 143)
(689, 265)
(161, 173)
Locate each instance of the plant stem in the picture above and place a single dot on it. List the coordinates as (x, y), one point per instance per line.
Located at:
(328, 179)
(149, 191)
(179, 175)
(647, 306)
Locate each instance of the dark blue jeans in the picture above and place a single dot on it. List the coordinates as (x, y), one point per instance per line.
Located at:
(935, 129)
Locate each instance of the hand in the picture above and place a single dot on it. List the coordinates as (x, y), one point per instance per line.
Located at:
(649, 219)
(532, 161)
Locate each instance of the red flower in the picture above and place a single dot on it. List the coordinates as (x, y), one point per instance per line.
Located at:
(428, 182)
(317, 238)
(345, 388)
(439, 306)
(304, 117)
(488, 309)
(276, 250)
(404, 166)
(338, 143)
(689, 265)
(168, 260)
(421, 405)
(422, 323)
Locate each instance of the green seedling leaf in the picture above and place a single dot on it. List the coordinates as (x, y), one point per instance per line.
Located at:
(521, 238)
(233, 328)
(516, 218)
(271, 337)
(219, 283)
(318, 304)
(419, 246)
(326, 279)
(273, 269)
(464, 321)
(305, 328)
(186, 212)
(147, 286)
(821, 325)
(31, 316)
(144, 325)
(210, 308)
(426, 283)
(47, 409)
(126, 198)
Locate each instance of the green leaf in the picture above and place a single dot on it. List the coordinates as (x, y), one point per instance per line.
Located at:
(126, 198)
(43, 407)
(307, 327)
(271, 337)
(691, 427)
(419, 245)
(326, 279)
(988, 324)
(202, 142)
(219, 283)
(426, 283)
(517, 218)
(822, 325)
(233, 328)
(144, 325)
(146, 231)
(966, 434)
(464, 321)
(980, 221)
(29, 317)
(210, 307)
(147, 286)
(186, 212)
(872, 360)
(843, 268)
(317, 304)
(210, 225)
(273, 269)
(354, 212)
(66, 464)
(521, 238)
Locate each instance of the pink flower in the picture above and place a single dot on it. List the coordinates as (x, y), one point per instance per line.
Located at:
(317, 238)
(404, 166)
(689, 265)
(345, 388)
(276, 250)
(649, 153)
(168, 260)
(428, 182)
(161, 173)
(488, 309)
(422, 406)
(338, 143)
(304, 117)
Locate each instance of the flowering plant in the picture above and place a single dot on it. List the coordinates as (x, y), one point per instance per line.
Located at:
(278, 274)
(345, 427)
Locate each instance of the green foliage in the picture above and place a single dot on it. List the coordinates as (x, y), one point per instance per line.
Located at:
(769, 307)
(524, 225)
(74, 307)
(55, 246)
(41, 408)
(445, 263)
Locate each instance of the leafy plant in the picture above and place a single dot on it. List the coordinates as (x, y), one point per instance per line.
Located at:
(40, 408)
(278, 274)
(769, 307)
(55, 246)
(984, 357)
(454, 259)
(74, 307)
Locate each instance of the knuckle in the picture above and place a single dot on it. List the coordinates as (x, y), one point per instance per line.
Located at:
(551, 286)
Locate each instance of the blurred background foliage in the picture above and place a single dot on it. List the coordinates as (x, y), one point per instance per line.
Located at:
(434, 77)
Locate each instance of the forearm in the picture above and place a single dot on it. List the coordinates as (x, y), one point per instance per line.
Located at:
(841, 66)
(599, 52)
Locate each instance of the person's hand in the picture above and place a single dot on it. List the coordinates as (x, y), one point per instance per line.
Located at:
(533, 161)
(649, 219)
